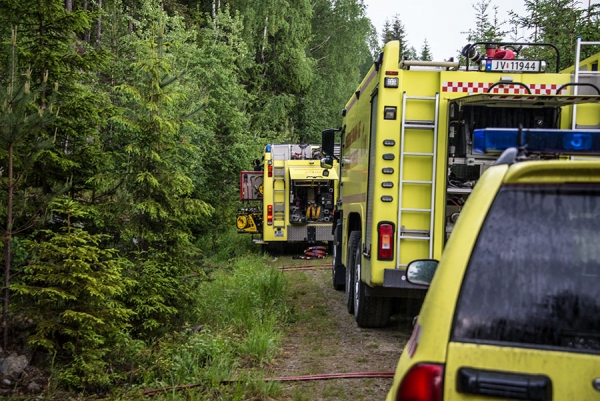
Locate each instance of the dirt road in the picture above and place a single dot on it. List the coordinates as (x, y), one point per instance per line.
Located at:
(324, 338)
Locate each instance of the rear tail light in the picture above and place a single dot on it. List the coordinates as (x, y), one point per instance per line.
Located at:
(385, 247)
(270, 214)
(269, 170)
(423, 382)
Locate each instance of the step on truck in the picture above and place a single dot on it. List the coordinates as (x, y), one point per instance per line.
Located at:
(289, 198)
(407, 162)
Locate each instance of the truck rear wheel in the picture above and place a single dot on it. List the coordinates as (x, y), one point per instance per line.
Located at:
(368, 311)
(353, 246)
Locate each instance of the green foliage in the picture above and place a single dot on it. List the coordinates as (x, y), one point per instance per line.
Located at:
(244, 297)
(340, 49)
(227, 246)
(241, 312)
(425, 52)
(161, 105)
(161, 295)
(395, 30)
(71, 289)
(157, 132)
(487, 28)
(559, 22)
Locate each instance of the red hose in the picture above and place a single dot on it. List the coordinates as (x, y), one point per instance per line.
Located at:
(325, 376)
(329, 376)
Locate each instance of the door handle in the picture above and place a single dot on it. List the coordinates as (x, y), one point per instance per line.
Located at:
(515, 386)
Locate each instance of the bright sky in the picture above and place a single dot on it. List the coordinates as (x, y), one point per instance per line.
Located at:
(443, 23)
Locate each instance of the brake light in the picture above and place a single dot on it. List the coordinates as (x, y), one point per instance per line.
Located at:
(270, 214)
(385, 248)
(270, 170)
(423, 382)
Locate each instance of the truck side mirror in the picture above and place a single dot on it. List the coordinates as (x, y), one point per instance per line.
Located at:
(328, 141)
(421, 271)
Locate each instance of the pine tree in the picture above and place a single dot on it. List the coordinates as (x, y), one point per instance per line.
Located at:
(425, 52)
(487, 29)
(394, 30)
(71, 289)
(157, 202)
(49, 45)
(22, 139)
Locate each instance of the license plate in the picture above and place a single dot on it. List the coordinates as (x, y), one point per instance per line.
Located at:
(513, 65)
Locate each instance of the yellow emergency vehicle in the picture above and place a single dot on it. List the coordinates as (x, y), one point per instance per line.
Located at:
(290, 197)
(407, 162)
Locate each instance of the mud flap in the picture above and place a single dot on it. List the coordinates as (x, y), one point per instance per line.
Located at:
(339, 271)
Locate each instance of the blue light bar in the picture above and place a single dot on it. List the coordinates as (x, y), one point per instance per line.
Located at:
(496, 140)
(268, 149)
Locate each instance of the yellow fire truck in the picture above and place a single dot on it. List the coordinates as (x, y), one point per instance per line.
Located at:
(290, 197)
(409, 156)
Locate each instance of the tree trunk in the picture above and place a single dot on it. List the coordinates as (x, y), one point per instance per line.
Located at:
(69, 5)
(7, 250)
(87, 33)
(99, 24)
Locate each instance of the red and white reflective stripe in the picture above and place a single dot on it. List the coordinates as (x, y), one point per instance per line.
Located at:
(508, 89)
(413, 341)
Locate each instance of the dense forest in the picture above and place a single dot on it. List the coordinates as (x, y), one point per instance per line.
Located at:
(123, 127)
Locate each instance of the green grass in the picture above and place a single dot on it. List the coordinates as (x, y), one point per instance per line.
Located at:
(240, 310)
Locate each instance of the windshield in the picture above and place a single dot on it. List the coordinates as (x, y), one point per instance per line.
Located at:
(534, 275)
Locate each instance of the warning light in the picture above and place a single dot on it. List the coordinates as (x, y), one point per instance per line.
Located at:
(496, 140)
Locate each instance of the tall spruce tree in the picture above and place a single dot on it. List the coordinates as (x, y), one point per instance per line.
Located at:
(49, 47)
(156, 201)
(22, 140)
(394, 30)
(426, 52)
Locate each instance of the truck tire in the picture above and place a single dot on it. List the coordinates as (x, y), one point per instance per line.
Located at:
(369, 312)
(353, 247)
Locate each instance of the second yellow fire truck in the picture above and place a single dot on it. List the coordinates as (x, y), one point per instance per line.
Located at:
(290, 198)
(409, 156)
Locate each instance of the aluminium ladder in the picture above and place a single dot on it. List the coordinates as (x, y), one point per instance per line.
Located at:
(576, 74)
(280, 155)
(404, 233)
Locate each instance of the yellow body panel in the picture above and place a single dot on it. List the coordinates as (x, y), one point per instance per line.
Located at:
(571, 373)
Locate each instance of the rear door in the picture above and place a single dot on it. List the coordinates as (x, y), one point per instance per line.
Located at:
(527, 321)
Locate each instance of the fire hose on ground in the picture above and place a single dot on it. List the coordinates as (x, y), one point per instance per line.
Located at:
(324, 376)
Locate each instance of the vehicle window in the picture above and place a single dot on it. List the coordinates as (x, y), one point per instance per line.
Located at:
(534, 275)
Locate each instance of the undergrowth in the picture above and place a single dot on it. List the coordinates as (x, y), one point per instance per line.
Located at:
(240, 310)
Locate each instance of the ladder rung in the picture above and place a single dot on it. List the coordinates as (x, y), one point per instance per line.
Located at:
(417, 154)
(416, 182)
(417, 238)
(421, 97)
(408, 209)
(419, 124)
